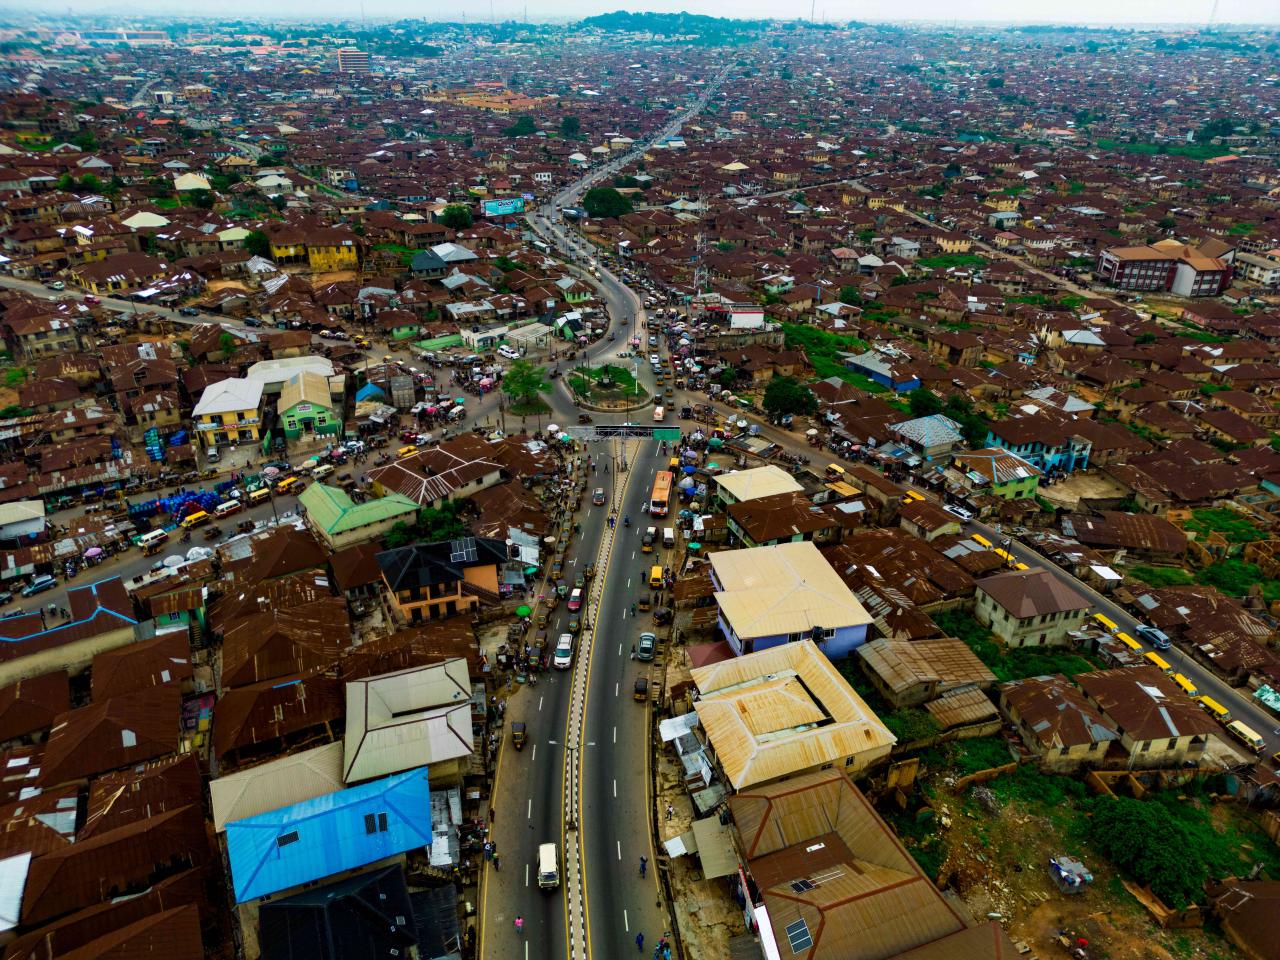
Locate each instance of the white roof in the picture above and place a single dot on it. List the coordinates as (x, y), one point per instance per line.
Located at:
(766, 481)
(229, 396)
(409, 718)
(783, 589)
(279, 783)
(270, 372)
(13, 880)
(145, 219)
(21, 511)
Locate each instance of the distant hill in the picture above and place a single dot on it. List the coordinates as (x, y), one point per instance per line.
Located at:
(714, 29)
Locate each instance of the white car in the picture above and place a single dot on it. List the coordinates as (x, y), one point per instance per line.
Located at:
(960, 512)
(655, 359)
(509, 352)
(563, 658)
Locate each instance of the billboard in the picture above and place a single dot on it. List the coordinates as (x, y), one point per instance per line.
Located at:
(506, 207)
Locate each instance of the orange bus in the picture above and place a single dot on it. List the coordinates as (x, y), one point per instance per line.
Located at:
(660, 499)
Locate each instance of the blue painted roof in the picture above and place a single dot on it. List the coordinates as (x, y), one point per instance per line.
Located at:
(328, 834)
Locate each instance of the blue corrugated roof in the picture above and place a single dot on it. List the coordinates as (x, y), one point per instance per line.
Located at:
(328, 834)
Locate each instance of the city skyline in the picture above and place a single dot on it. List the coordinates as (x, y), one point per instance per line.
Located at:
(1095, 13)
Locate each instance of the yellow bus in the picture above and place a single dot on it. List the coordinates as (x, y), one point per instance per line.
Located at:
(1021, 566)
(1107, 622)
(1158, 661)
(1187, 684)
(980, 539)
(1128, 641)
(1246, 735)
(660, 498)
(1217, 710)
(912, 495)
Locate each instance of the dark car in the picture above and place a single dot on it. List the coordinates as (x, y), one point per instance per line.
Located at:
(188, 312)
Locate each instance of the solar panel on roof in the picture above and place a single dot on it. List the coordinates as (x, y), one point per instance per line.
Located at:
(798, 935)
(463, 551)
(800, 886)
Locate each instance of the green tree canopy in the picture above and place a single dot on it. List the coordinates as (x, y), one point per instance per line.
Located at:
(444, 523)
(924, 403)
(1141, 840)
(258, 243)
(523, 127)
(228, 344)
(785, 395)
(850, 295)
(602, 202)
(456, 216)
(570, 126)
(523, 381)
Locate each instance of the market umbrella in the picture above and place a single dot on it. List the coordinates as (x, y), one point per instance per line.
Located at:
(459, 400)
(812, 432)
(93, 552)
(713, 466)
(695, 545)
(486, 381)
(530, 571)
(552, 428)
(690, 468)
(271, 472)
(523, 610)
(174, 561)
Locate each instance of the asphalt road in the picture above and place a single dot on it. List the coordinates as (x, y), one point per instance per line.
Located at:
(616, 804)
(1242, 707)
(528, 788)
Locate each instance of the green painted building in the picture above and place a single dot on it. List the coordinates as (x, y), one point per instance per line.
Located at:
(341, 522)
(305, 407)
(999, 472)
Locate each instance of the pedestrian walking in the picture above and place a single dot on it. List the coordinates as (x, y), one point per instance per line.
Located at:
(519, 925)
(497, 862)
(488, 850)
(644, 865)
(671, 811)
(639, 942)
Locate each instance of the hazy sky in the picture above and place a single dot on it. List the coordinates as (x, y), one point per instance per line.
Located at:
(1036, 11)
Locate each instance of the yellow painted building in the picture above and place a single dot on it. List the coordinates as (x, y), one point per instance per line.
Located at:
(227, 412)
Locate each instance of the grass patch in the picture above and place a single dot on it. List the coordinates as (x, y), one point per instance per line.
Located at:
(1014, 663)
(586, 381)
(823, 348)
(1161, 576)
(1195, 151)
(1233, 526)
(946, 261)
(964, 757)
(1236, 578)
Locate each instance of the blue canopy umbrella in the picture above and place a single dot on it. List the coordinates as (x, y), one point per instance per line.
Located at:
(690, 468)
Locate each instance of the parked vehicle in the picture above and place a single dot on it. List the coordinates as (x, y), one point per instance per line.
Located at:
(39, 585)
(646, 647)
(562, 659)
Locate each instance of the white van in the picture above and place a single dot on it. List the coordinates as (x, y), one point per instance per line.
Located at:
(226, 509)
(322, 471)
(548, 866)
(668, 537)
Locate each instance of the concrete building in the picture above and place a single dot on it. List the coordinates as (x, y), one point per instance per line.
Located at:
(772, 596)
(1030, 608)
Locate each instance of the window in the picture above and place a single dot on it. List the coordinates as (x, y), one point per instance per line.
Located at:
(1146, 745)
(375, 823)
(1173, 743)
(794, 637)
(287, 838)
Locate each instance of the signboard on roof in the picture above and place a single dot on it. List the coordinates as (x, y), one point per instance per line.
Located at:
(506, 207)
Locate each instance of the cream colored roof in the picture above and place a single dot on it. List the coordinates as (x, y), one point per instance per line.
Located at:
(409, 718)
(758, 482)
(783, 710)
(783, 589)
(280, 783)
(306, 386)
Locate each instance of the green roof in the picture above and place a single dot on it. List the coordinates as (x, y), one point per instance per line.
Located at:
(330, 509)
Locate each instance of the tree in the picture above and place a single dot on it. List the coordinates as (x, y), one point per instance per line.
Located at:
(570, 126)
(456, 216)
(923, 403)
(523, 381)
(523, 127)
(995, 83)
(228, 344)
(728, 377)
(202, 199)
(604, 202)
(785, 395)
(442, 524)
(850, 295)
(90, 182)
(258, 243)
(1141, 839)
